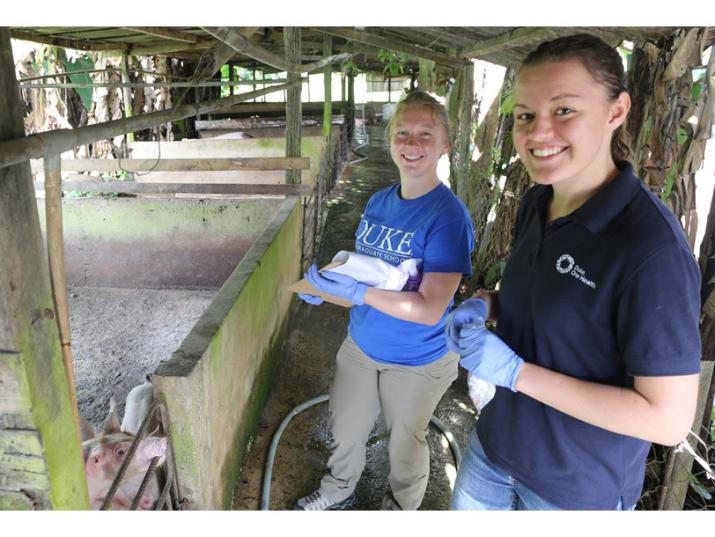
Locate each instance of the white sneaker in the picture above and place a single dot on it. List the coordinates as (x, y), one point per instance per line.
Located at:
(317, 502)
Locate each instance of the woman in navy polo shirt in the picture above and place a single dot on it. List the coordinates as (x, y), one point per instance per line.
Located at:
(596, 352)
(395, 358)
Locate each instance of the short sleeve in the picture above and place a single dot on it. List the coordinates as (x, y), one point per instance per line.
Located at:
(658, 313)
(448, 247)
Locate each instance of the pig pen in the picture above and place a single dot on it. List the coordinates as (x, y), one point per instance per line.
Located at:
(193, 292)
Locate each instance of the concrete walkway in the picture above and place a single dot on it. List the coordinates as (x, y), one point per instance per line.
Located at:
(313, 341)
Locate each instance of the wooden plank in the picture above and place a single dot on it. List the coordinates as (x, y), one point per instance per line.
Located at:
(79, 44)
(16, 501)
(244, 46)
(15, 401)
(513, 38)
(20, 442)
(21, 472)
(180, 164)
(165, 32)
(398, 46)
(129, 187)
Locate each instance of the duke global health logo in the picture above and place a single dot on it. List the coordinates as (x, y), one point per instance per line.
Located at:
(566, 264)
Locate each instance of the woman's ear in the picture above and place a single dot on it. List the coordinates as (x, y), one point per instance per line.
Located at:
(619, 110)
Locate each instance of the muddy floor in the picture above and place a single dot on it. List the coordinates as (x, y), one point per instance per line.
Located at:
(307, 368)
(120, 335)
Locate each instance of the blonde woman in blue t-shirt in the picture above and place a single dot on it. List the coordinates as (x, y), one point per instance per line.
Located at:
(395, 359)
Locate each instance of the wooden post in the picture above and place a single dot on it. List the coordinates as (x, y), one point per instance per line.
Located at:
(328, 90)
(127, 92)
(42, 465)
(350, 115)
(294, 112)
(460, 156)
(389, 87)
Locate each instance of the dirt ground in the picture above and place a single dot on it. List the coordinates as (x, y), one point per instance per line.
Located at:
(121, 335)
(307, 369)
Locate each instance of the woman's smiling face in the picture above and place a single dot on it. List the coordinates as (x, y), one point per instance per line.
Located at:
(563, 123)
(417, 141)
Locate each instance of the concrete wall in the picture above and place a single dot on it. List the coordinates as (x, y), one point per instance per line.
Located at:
(216, 384)
(158, 243)
(311, 147)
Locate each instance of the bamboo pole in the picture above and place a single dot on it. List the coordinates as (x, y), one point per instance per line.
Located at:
(56, 257)
(61, 140)
(127, 93)
(294, 110)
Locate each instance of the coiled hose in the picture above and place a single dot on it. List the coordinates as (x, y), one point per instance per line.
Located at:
(268, 472)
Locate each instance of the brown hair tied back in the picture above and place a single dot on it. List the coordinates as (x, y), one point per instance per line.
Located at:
(603, 63)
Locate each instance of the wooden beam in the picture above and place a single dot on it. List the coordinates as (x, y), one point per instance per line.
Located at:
(327, 89)
(34, 393)
(513, 38)
(294, 111)
(166, 33)
(217, 55)
(244, 46)
(61, 140)
(79, 44)
(140, 85)
(180, 164)
(398, 46)
(127, 94)
(130, 187)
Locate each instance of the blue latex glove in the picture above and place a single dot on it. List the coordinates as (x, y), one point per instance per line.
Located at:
(486, 356)
(311, 299)
(472, 312)
(338, 285)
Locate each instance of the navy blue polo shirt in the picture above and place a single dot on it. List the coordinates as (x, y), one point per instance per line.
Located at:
(606, 293)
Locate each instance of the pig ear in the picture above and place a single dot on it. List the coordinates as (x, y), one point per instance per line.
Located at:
(111, 424)
(85, 428)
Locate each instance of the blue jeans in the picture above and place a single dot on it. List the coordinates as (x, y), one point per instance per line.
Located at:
(482, 486)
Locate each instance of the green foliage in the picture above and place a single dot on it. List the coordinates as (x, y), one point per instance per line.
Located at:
(82, 63)
(698, 488)
(682, 136)
(494, 274)
(669, 181)
(394, 61)
(506, 104)
(625, 49)
(348, 67)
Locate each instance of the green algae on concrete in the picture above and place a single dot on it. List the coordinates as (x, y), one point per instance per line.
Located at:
(217, 382)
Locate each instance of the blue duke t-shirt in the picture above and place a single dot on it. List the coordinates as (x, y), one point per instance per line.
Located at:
(436, 228)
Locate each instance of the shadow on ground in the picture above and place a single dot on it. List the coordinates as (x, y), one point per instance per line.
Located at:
(307, 369)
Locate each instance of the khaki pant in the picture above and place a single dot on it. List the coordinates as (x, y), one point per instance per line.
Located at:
(407, 396)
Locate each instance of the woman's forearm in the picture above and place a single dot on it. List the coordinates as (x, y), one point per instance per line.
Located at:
(656, 409)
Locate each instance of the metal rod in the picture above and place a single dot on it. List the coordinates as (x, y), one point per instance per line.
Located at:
(61, 140)
(208, 84)
(127, 459)
(149, 474)
(56, 257)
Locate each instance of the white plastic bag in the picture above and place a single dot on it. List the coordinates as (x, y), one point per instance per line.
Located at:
(378, 273)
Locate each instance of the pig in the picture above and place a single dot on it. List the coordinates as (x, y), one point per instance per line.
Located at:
(236, 135)
(104, 454)
(137, 406)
